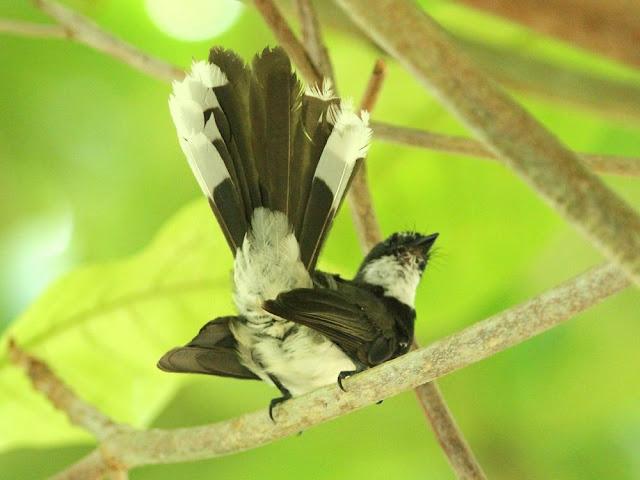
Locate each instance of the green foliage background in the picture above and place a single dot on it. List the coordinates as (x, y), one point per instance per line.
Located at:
(148, 267)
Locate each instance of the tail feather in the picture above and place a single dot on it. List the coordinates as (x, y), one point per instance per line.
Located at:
(275, 100)
(311, 136)
(347, 144)
(201, 143)
(254, 139)
(233, 121)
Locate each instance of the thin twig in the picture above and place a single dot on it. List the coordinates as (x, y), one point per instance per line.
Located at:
(80, 413)
(610, 164)
(92, 467)
(452, 353)
(30, 29)
(313, 41)
(425, 49)
(288, 40)
(611, 96)
(360, 201)
(597, 90)
(82, 30)
(458, 452)
(610, 28)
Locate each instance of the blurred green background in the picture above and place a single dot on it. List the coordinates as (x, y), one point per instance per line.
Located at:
(91, 170)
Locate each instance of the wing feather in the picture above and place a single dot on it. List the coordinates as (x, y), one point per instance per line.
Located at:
(211, 352)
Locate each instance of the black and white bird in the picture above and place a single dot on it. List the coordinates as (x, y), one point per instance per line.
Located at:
(275, 162)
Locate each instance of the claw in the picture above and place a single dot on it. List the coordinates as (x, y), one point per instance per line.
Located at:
(271, 405)
(344, 374)
(274, 403)
(340, 384)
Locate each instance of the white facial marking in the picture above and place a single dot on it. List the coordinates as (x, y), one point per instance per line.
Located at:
(399, 281)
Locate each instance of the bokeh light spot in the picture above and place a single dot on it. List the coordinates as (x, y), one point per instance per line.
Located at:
(194, 20)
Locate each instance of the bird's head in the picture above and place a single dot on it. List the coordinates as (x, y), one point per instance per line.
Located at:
(397, 264)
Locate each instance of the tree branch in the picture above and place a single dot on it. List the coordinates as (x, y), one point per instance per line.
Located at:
(610, 28)
(313, 41)
(80, 29)
(481, 340)
(92, 467)
(506, 128)
(451, 439)
(607, 95)
(360, 201)
(610, 164)
(288, 40)
(80, 413)
(30, 29)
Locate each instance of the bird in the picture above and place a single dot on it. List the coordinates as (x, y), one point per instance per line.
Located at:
(275, 159)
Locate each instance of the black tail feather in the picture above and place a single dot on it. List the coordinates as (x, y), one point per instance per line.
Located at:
(275, 108)
(234, 125)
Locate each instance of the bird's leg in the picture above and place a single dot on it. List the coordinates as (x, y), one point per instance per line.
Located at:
(347, 373)
(286, 395)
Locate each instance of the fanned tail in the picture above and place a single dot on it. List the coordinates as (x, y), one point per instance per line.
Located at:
(254, 138)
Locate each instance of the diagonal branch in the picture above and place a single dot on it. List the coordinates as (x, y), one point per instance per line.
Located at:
(313, 41)
(80, 29)
(80, 413)
(610, 28)
(94, 466)
(360, 200)
(611, 164)
(451, 439)
(615, 97)
(288, 40)
(557, 174)
(33, 30)
(481, 340)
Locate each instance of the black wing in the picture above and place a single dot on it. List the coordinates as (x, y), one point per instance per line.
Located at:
(212, 352)
(356, 321)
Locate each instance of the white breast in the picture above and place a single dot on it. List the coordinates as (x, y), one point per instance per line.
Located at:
(304, 361)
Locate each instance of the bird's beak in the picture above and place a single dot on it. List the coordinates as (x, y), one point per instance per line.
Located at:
(424, 243)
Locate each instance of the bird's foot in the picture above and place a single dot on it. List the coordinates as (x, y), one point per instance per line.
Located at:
(275, 402)
(344, 374)
(286, 395)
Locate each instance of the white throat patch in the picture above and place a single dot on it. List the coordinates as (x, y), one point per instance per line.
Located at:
(399, 281)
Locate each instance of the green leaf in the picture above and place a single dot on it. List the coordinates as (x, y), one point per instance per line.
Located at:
(102, 329)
